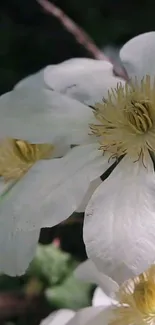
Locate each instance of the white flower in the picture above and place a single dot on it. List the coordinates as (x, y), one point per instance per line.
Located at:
(119, 227)
(86, 272)
(105, 293)
(61, 317)
(35, 191)
(85, 316)
(135, 302)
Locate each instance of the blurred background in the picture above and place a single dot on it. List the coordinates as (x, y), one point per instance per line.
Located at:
(33, 35)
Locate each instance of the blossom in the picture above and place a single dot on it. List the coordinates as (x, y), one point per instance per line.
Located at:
(135, 302)
(86, 272)
(31, 181)
(110, 170)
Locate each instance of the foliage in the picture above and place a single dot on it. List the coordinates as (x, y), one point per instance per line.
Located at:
(50, 277)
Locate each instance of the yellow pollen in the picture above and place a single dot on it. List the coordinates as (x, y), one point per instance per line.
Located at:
(17, 156)
(126, 120)
(139, 118)
(144, 296)
(136, 301)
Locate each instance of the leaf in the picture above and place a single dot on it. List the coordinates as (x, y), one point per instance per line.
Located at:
(72, 293)
(51, 264)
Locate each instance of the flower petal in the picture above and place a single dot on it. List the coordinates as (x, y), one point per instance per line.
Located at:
(86, 80)
(4, 186)
(88, 272)
(17, 248)
(61, 317)
(100, 298)
(53, 189)
(35, 80)
(41, 115)
(119, 230)
(93, 185)
(138, 54)
(91, 316)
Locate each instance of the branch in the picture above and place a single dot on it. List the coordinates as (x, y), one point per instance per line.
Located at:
(79, 34)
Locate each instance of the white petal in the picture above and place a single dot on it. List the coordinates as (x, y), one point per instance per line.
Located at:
(62, 76)
(41, 115)
(138, 55)
(17, 248)
(93, 185)
(4, 186)
(86, 80)
(60, 148)
(103, 318)
(60, 317)
(35, 80)
(92, 316)
(100, 298)
(88, 272)
(53, 189)
(119, 230)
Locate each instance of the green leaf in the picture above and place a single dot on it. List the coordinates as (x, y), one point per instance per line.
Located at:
(51, 264)
(72, 293)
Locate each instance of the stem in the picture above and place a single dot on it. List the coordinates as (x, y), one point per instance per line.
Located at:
(79, 34)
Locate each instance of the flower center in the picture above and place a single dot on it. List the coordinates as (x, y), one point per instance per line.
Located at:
(144, 296)
(136, 300)
(139, 117)
(17, 156)
(126, 120)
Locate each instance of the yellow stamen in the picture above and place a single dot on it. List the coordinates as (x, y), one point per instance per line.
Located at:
(127, 119)
(17, 156)
(144, 296)
(136, 301)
